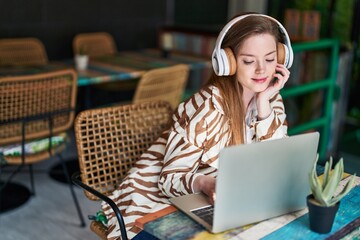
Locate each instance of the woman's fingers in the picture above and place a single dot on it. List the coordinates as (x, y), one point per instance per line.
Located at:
(282, 74)
(208, 187)
(212, 198)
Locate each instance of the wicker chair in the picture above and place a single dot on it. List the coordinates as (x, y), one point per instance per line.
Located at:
(98, 44)
(22, 52)
(94, 44)
(167, 84)
(33, 107)
(109, 141)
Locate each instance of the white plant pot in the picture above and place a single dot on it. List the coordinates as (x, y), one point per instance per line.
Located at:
(81, 62)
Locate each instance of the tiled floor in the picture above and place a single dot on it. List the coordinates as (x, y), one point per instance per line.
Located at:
(51, 213)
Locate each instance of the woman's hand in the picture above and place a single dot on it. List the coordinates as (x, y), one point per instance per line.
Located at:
(281, 77)
(206, 184)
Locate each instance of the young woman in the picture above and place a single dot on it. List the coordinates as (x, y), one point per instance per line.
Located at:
(241, 104)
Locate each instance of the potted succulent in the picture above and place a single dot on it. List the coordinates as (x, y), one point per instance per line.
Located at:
(81, 59)
(324, 201)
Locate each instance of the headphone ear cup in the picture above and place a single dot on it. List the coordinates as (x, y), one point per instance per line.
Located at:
(231, 61)
(224, 64)
(228, 62)
(282, 54)
(216, 63)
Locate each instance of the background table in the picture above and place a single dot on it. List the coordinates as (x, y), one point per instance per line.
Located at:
(132, 64)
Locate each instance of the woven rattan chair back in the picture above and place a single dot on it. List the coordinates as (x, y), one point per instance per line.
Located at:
(94, 44)
(109, 141)
(22, 52)
(167, 84)
(34, 98)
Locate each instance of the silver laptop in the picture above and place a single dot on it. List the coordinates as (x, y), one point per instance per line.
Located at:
(255, 182)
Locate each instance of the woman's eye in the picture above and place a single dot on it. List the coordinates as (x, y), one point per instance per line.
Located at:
(270, 60)
(248, 62)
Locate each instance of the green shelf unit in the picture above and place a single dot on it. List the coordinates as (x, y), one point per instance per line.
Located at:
(323, 123)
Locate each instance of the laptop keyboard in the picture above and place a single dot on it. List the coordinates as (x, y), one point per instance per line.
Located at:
(205, 213)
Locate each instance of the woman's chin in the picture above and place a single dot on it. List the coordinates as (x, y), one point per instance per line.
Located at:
(260, 87)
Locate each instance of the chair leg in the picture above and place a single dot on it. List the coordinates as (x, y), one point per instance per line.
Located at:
(82, 222)
(31, 172)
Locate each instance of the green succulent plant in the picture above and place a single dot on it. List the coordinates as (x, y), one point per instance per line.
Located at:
(324, 191)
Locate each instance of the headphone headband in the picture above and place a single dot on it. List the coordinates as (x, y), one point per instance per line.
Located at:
(217, 50)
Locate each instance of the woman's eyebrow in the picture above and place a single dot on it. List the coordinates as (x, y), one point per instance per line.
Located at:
(251, 55)
(271, 53)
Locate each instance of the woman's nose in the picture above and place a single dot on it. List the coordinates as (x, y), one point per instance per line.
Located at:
(260, 67)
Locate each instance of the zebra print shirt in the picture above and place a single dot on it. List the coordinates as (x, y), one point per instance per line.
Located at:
(188, 149)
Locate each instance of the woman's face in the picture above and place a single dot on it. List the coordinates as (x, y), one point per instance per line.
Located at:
(256, 62)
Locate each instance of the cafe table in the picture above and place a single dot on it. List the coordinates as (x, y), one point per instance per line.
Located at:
(164, 224)
(127, 65)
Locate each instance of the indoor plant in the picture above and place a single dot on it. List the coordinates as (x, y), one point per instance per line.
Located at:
(324, 201)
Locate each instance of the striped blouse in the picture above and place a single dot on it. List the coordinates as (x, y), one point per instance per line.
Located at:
(188, 149)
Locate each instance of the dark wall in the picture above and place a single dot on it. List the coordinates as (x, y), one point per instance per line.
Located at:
(134, 24)
(201, 12)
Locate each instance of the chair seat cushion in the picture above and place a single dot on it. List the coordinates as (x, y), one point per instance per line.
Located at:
(32, 147)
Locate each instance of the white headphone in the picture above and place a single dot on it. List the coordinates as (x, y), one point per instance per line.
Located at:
(223, 60)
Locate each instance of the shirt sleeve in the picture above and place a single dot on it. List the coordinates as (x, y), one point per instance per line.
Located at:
(274, 126)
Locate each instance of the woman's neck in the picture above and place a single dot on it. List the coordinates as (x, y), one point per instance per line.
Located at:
(247, 97)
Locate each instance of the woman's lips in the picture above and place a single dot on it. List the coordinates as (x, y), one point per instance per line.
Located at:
(259, 80)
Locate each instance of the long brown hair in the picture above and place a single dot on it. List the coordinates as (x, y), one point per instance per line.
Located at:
(230, 89)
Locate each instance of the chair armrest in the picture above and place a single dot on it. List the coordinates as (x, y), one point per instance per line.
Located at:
(76, 180)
